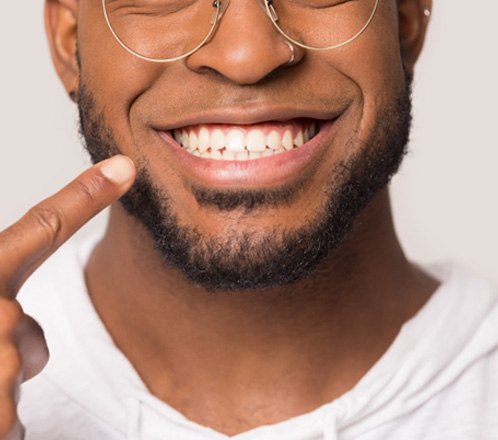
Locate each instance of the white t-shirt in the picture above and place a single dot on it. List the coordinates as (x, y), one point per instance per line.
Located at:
(438, 380)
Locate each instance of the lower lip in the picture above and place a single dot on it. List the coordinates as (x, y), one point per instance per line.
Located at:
(266, 171)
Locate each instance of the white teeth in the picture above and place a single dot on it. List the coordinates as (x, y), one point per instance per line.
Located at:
(235, 141)
(256, 140)
(193, 141)
(241, 144)
(255, 155)
(216, 154)
(217, 139)
(274, 141)
(299, 139)
(287, 141)
(185, 139)
(228, 155)
(203, 139)
(242, 155)
(177, 134)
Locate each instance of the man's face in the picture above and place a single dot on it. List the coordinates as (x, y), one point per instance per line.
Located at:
(260, 222)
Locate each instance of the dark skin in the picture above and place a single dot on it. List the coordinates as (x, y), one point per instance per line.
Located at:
(234, 361)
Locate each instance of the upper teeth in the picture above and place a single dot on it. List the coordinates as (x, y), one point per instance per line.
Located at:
(241, 143)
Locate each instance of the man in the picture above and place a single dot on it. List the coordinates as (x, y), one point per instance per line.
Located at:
(250, 283)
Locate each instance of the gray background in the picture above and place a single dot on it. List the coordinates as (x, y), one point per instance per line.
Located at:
(445, 197)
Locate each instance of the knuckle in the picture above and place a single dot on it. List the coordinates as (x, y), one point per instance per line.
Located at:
(90, 188)
(49, 219)
(34, 350)
(11, 367)
(11, 314)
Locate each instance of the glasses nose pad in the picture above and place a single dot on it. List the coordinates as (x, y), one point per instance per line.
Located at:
(222, 5)
(220, 8)
(270, 10)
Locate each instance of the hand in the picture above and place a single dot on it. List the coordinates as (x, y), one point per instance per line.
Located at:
(23, 247)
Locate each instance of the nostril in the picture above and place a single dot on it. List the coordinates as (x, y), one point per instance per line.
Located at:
(245, 48)
(245, 63)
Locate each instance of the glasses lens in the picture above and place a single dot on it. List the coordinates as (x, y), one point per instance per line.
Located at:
(161, 29)
(322, 23)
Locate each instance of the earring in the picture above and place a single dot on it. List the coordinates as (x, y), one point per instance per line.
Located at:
(427, 12)
(292, 51)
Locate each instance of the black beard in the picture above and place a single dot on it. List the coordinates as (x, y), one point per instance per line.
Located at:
(245, 260)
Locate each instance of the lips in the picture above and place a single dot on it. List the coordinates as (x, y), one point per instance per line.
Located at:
(255, 155)
(245, 142)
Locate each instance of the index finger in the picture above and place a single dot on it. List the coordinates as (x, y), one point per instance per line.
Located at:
(27, 243)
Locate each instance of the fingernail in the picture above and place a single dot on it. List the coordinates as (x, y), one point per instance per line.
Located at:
(118, 169)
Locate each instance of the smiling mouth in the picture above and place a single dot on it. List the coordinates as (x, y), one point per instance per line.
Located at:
(245, 142)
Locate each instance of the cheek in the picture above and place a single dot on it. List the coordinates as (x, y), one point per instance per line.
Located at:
(116, 77)
(382, 66)
(374, 65)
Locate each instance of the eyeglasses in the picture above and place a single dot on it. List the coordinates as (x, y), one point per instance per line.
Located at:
(163, 31)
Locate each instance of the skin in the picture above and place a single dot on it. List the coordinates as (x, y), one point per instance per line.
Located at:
(231, 361)
(23, 247)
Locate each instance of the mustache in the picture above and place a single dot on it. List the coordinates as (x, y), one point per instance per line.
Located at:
(161, 103)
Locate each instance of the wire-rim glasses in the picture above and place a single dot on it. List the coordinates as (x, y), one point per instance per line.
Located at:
(306, 16)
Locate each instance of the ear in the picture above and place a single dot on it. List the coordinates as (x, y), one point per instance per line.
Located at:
(61, 28)
(413, 20)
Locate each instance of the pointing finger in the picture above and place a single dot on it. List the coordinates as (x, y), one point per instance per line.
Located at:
(27, 243)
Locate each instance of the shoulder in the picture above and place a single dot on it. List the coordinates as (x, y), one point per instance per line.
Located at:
(438, 379)
(464, 313)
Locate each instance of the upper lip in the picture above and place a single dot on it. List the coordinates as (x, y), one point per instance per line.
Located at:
(246, 115)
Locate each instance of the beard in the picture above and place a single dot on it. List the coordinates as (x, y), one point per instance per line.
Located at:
(248, 260)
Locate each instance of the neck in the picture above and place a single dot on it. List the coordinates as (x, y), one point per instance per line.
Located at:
(292, 348)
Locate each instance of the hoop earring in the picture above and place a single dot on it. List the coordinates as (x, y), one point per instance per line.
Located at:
(292, 53)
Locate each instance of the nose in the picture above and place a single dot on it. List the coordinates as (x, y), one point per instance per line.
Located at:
(246, 47)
